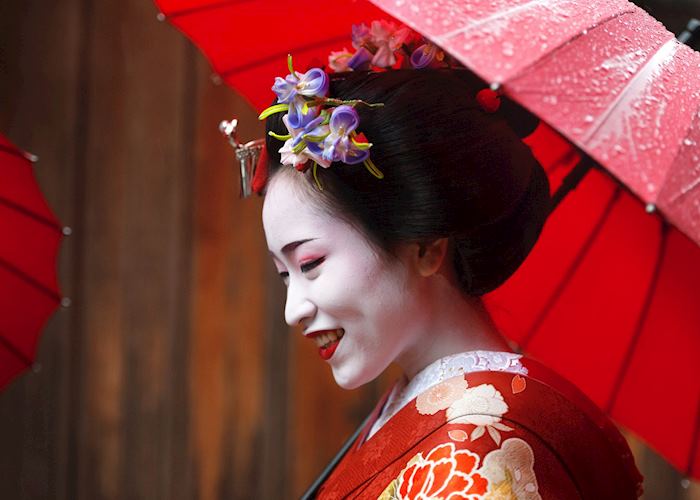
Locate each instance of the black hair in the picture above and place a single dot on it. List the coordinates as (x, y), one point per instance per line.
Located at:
(451, 170)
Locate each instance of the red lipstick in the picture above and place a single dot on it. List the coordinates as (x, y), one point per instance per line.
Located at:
(327, 352)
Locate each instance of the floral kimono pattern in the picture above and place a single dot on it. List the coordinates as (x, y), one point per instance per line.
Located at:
(490, 435)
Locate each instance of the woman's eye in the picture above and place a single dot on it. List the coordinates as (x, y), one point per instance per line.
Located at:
(311, 265)
(284, 275)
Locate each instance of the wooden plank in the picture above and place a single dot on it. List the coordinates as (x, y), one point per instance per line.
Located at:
(228, 344)
(39, 75)
(136, 218)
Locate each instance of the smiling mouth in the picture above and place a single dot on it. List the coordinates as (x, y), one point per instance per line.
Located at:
(327, 338)
(328, 341)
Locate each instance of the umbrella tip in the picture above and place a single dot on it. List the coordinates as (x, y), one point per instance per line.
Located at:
(685, 483)
(216, 78)
(650, 208)
(32, 158)
(36, 367)
(160, 17)
(495, 86)
(67, 230)
(66, 302)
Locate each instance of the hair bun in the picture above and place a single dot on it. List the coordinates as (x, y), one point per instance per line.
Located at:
(489, 254)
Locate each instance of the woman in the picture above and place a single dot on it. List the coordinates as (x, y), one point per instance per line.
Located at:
(386, 264)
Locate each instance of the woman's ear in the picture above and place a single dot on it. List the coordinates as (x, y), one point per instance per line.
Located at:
(430, 256)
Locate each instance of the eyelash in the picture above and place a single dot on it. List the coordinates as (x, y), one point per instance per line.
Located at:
(305, 268)
(311, 265)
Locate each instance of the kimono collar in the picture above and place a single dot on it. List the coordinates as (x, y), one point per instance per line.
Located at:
(442, 369)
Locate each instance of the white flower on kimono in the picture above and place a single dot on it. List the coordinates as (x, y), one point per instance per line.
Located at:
(482, 406)
(510, 472)
(441, 396)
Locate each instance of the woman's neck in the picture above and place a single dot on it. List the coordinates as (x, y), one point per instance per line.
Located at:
(453, 324)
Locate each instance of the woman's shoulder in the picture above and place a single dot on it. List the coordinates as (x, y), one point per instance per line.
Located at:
(489, 433)
(521, 432)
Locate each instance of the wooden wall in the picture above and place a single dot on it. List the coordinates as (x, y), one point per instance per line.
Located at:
(173, 375)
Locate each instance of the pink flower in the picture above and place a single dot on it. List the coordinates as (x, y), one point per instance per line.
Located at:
(387, 38)
(441, 396)
(338, 60)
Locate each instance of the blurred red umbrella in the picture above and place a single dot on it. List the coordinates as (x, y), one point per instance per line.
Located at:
(245, 41)
(29, 239)
(611, 279)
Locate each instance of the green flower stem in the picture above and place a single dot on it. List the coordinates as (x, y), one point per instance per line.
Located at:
(279, 137)
(277, 108)
(372, 168)
(318, 181)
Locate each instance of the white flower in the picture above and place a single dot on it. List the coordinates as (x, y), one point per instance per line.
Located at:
(338, 60)
(510, 471)
(480, 405)
(289, 157)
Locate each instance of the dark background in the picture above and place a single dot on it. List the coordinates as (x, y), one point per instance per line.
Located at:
(173, 375)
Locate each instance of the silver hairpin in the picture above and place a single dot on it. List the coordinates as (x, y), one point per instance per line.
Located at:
(247, 155)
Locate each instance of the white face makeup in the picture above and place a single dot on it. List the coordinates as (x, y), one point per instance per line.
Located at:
(335, 280)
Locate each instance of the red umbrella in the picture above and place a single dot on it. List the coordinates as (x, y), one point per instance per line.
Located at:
(29, 239)
(608, 280)
(245, 41)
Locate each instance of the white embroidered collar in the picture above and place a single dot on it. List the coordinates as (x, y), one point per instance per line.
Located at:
(442, 369)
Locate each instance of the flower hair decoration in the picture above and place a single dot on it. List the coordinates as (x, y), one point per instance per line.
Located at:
(322, 130)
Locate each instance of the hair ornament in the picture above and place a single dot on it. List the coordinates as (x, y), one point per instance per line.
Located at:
(321, 130)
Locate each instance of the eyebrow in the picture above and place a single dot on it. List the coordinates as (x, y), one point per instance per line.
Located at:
(290, 247)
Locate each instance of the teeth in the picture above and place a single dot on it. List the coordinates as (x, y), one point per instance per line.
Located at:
(325, 339)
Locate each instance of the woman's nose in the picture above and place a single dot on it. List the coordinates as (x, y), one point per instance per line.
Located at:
(298, 309)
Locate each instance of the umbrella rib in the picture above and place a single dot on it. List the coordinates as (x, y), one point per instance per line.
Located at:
(14, 152)
(202, 8)
(556, 49)
(444, 37)
(572, 269)
(6, 343)
(644, 75)
(644, 314)
(278, 55)
(28, 279)
(33, 215)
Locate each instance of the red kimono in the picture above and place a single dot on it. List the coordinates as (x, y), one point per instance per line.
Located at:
(491, 435)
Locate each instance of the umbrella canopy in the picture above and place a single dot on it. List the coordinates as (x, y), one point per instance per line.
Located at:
(30, 236)
(608, 279)
(245, 41)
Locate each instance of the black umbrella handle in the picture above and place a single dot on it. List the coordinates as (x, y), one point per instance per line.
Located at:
(691, 35)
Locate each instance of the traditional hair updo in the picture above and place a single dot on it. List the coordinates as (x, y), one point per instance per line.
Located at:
(451, 170)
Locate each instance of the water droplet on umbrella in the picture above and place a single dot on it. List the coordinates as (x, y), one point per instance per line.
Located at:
(588, 119)
(688, 142)
(508, 49)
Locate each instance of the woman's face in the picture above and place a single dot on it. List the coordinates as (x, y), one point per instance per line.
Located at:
(353, 304)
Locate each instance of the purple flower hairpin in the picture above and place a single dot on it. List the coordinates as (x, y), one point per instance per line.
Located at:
(321, 130)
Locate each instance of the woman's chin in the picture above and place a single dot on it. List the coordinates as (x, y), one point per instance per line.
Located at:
(348, 382)
(353, 377)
